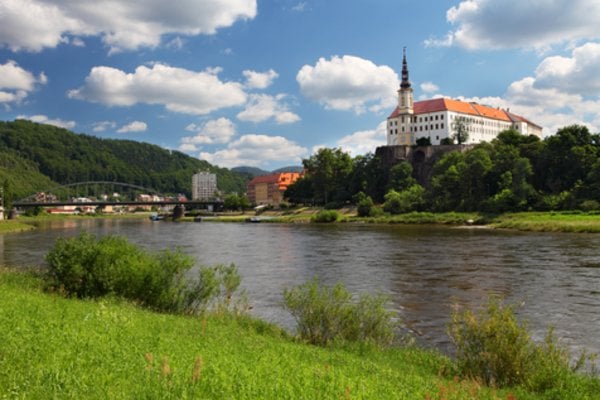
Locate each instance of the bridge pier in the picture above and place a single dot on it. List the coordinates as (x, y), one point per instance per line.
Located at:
(178, 211)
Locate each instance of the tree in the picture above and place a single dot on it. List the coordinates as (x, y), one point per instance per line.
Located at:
(567, 158)
(423, 141)
(446, 192)
(411, 199)
(364, 205)
(6, 195)
(460, 129)
(328, 171)
(300, 192)
(477, 165)
(401, 176)
(369, 176)
(236, 202)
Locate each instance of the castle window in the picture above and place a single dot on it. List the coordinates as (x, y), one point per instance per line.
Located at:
(437, 126)
(442, 116)
(442, 125)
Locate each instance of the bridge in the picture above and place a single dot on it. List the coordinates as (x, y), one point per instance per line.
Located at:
(79, 195)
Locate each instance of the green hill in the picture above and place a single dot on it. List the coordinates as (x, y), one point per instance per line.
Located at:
(21, 177)
(65, 157)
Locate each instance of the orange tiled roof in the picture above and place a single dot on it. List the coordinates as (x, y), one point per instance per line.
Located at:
(283, 179)
(463, 107)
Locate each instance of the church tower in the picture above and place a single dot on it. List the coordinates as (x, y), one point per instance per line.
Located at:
(400, 122)
(405, 93)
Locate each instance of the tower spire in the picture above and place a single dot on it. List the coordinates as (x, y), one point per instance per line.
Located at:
(405, 82)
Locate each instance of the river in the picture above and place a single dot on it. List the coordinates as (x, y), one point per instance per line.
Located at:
(554, 277)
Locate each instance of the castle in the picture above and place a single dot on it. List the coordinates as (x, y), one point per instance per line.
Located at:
(437, 119)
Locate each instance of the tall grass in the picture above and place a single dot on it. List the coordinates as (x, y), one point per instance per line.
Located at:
(85, 266)
(497, 349)
(329, 314)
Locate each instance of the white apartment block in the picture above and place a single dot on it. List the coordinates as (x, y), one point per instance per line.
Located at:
(204, 186)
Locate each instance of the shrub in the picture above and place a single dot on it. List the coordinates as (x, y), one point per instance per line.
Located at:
(84, 266)
(494, 347)
(326, 216)
(590, 205)
(326, 314)
(411, 199)
(364, 206)
(333, 205)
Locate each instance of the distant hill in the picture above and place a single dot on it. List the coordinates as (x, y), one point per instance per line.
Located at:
(65, 157)
(254, 171)
(292, 168)
(21, 177)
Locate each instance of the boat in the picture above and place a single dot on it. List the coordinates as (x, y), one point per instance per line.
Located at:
(156, 217)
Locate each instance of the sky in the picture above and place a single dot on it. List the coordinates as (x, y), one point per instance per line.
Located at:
(266, 83)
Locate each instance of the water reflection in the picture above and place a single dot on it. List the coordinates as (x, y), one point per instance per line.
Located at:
(423, 269)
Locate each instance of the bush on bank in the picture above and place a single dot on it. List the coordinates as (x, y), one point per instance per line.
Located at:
(84, 266)
(325, 216)
(494, 347)
(328, 314)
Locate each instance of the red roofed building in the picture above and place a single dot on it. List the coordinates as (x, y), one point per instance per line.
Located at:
(269, 189)
(436, 119)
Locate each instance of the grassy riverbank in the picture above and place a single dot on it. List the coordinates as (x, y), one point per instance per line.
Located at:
(55, 347)
(565, 221)
(7, 226)
(550, 221)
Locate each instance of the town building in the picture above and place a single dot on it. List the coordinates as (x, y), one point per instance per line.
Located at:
(439, 119)
(269, 189)
(204, 186)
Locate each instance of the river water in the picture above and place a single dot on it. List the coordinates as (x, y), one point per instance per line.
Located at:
(555, 277)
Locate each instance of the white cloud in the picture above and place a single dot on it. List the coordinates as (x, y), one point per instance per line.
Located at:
(78, 42)
(16, 82)
(176, 43)
(349, 83)
(492, 24)
(578, 74)
(363, 142)
(301, 6)
(177, 89)
(429, 87)
(211, 132)
(33, 25)
(262, 107)
(260, 80)
(135, 126)
(256, 150)
(103, 126)
(42, 119)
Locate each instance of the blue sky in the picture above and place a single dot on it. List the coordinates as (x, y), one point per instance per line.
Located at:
(266, 83)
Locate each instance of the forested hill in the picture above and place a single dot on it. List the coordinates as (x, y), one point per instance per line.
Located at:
(65, 157)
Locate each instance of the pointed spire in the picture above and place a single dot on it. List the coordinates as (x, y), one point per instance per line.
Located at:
(405, 82)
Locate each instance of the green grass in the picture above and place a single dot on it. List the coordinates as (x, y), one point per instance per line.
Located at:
(53, 347)
(8, 226)
(573, 221)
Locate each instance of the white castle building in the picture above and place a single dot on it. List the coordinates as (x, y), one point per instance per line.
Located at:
(437, 119)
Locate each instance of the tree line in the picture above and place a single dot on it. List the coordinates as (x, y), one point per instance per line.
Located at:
(52, 155)
(514, 172)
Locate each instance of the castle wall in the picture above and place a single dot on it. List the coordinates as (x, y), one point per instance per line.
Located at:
(422, 158)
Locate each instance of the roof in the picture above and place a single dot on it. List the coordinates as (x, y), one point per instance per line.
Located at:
(522, 119)
(282, 178)
(463, 107)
